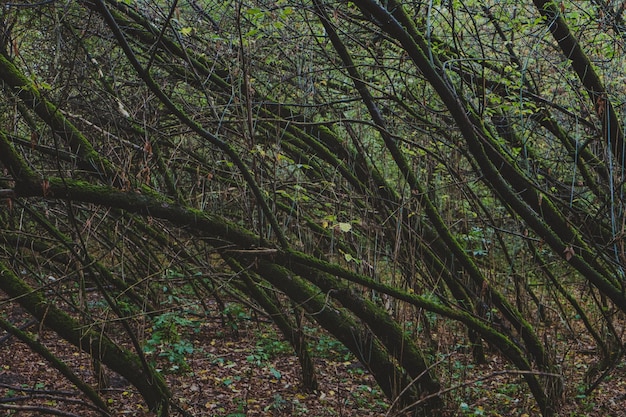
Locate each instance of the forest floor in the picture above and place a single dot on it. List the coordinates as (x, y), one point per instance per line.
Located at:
(243, 368)
(213, 369)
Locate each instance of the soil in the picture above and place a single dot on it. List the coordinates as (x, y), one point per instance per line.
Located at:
(250, 372)
(224, 373)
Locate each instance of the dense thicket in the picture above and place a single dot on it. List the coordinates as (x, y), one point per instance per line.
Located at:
(385, 168)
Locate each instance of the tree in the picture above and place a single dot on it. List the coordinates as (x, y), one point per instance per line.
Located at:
(368, 164)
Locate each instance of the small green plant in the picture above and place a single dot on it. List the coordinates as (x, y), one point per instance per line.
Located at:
(360, 396)
(266, 349)
(215, 360)
(330, 348)
(269, 345)
(471, 411)
(585, 402)
(299, 409)
(228, 381)
(278, 404)
(476, 242)
(258, 358)
(356, 369)
(241, 409)
(166, 340)
(235, 315)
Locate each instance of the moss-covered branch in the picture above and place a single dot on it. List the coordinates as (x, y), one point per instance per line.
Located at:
(151, 386)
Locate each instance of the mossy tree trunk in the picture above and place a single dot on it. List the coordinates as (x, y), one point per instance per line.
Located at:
(363, 160)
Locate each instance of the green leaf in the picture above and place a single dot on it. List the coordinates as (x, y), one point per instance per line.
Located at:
(275, 373)
(348, 257)
(345, 227)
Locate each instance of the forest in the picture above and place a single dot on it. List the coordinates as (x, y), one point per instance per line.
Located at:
(332, 208)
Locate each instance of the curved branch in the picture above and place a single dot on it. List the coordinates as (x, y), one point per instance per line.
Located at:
(151, 386)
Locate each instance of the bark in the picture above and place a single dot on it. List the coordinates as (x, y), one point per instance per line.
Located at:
(90, 160)
(360, 341)
(58, 364)
(151, 385)
(612, 126)
(290, 330)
